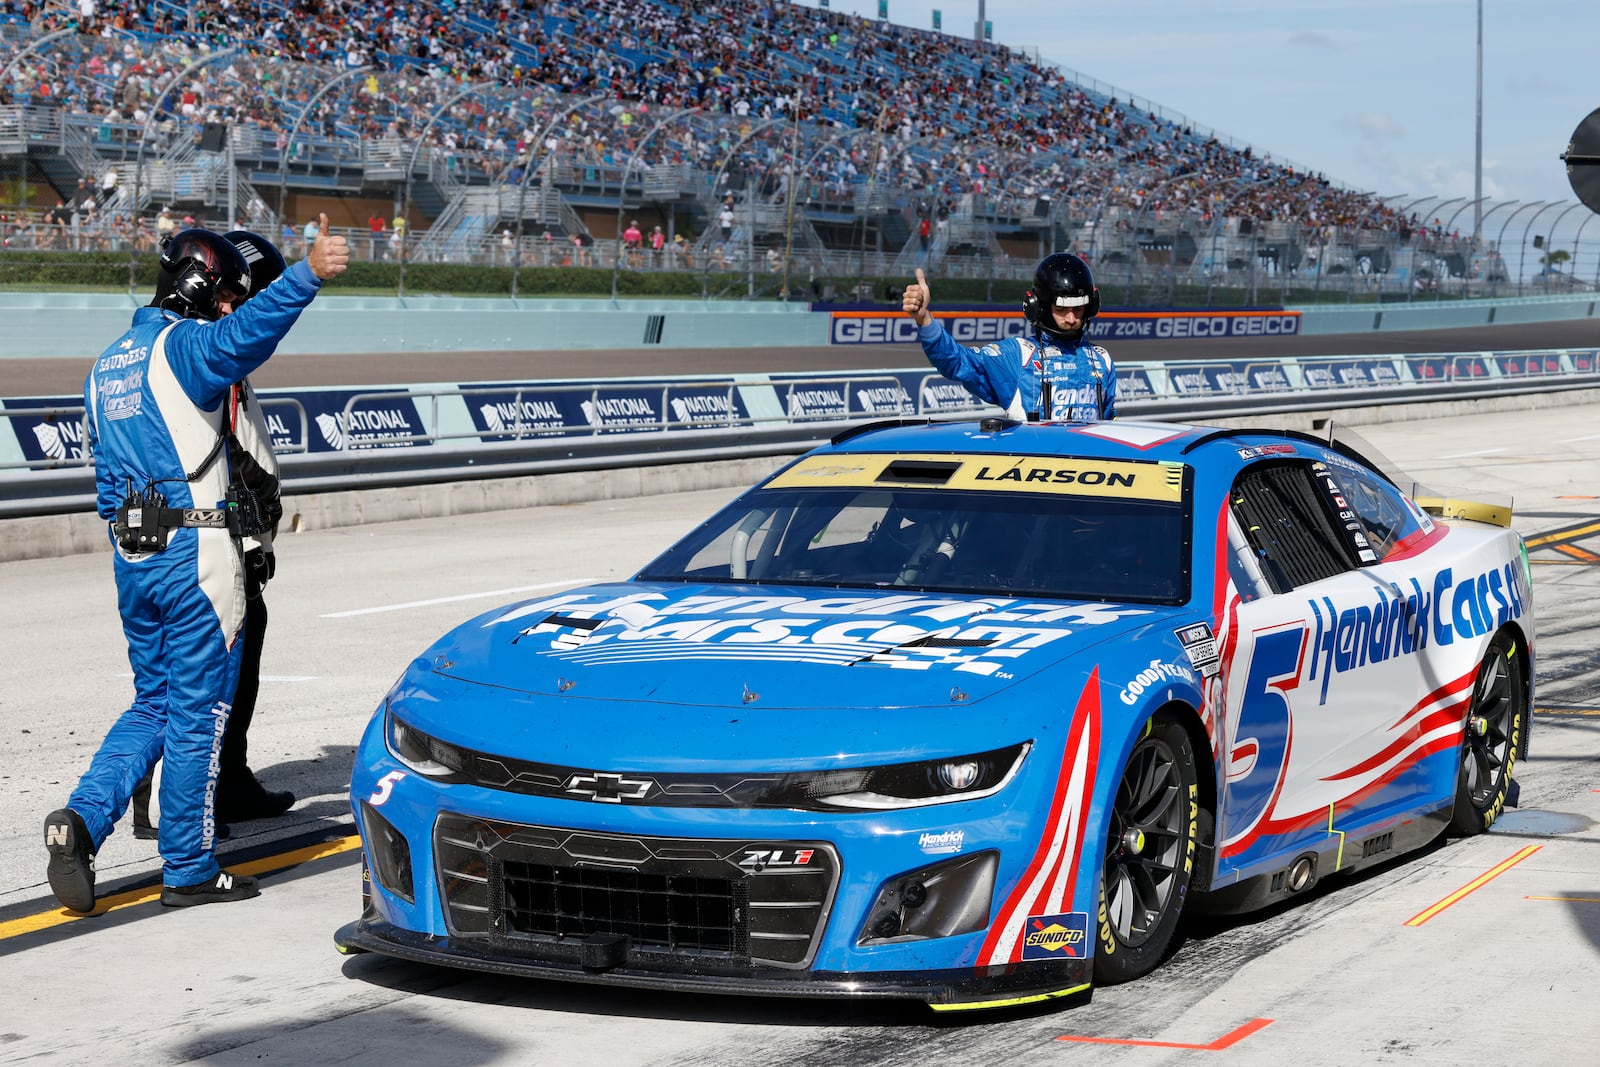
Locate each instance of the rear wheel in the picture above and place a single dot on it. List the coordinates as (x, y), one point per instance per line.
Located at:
(1149, 855)
(1495, 724)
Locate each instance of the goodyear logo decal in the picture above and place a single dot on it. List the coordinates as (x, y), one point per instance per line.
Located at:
(1056, 936)
(1161, 482)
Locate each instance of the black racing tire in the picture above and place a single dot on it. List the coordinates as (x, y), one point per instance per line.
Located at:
(1496, 722)
(1152, 834)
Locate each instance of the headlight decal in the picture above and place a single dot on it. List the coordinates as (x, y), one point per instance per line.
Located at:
(1048, 885)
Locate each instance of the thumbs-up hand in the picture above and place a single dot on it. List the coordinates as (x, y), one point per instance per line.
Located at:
(917, 301)
(330, 255)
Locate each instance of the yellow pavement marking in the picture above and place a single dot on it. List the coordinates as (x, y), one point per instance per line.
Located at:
(1571, 533)
(28, 924)
(1477, 883)
(1566, 711)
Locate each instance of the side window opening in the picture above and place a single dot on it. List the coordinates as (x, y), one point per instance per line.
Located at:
(1380, 509)
(1286, 521)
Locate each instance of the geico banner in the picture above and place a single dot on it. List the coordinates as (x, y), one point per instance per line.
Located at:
(982, 327)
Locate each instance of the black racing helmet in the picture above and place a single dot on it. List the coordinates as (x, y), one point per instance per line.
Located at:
(198, 268)
(1061, 280)
(265, 261)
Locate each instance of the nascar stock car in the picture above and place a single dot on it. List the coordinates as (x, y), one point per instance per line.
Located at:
(966, 712)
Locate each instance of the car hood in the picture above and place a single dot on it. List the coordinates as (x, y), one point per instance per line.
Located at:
(771, 647)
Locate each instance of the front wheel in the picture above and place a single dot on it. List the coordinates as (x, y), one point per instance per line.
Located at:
(1151, 838)
(1495, 724)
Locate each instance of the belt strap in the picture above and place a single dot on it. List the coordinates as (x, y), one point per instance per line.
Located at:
(208, 518)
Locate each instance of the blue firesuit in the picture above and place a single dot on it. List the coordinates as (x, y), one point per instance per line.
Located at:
(155, 402)
(1010, 374)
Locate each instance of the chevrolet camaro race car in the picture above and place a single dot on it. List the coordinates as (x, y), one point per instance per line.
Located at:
(968, 713)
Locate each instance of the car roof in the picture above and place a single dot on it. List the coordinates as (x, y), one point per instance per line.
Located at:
(1123, 439)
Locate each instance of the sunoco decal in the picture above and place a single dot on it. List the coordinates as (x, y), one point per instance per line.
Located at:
(1056, 936)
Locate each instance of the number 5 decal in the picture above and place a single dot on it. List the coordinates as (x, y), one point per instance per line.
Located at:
(1261, 739)
(386, 786)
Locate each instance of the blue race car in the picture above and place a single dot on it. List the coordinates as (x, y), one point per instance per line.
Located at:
(968, 713)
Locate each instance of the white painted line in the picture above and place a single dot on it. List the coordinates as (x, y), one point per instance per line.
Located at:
(1585, 437)
(1466, 455)
(464, 596)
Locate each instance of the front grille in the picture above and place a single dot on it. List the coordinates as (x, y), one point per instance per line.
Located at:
(541, 891)
(678, 912)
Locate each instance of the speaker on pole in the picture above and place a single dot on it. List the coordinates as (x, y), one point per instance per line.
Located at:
(1582, 158)
(214, 137)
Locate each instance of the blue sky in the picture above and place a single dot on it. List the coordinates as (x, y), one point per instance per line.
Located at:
(1378, 95)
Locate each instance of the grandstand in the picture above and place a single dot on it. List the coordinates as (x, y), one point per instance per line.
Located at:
(777, 140)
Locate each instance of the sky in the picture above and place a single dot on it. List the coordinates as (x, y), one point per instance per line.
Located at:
(1377, 95)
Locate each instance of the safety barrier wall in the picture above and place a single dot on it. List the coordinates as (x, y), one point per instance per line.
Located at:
(341, 438)
(78, 325)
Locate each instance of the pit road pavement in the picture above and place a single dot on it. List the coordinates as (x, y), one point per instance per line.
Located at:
(1506, 974)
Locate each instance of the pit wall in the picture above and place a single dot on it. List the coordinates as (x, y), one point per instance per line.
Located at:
(72, 325)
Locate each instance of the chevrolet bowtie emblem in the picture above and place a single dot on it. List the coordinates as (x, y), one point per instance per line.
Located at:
(608, 788)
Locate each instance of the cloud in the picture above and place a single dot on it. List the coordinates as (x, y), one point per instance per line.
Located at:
(1374, 124)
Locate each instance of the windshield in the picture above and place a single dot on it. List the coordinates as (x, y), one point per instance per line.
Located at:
(1033, 538)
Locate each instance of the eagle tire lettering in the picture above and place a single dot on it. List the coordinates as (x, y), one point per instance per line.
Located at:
(1491, 737)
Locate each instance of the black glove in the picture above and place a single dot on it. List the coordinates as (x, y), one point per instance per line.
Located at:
(262, 565)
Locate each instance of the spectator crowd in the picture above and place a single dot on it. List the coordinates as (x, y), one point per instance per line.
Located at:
(960, 127)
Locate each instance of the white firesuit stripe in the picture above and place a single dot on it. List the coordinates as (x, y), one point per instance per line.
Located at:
(193, 434)
(255, 438)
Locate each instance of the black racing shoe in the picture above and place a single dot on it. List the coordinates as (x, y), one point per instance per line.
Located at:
(225, 886)
(71, 870)
(252, 802)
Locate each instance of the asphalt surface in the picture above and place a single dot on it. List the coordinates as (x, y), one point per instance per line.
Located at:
(1503, 975)
(64, 376)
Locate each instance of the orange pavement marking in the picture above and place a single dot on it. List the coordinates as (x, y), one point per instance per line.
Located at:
(1225, 1041)
(1477, 883)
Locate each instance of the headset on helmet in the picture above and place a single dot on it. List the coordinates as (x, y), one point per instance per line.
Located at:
(266, 263)
(197, 268)
(1061, 280)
